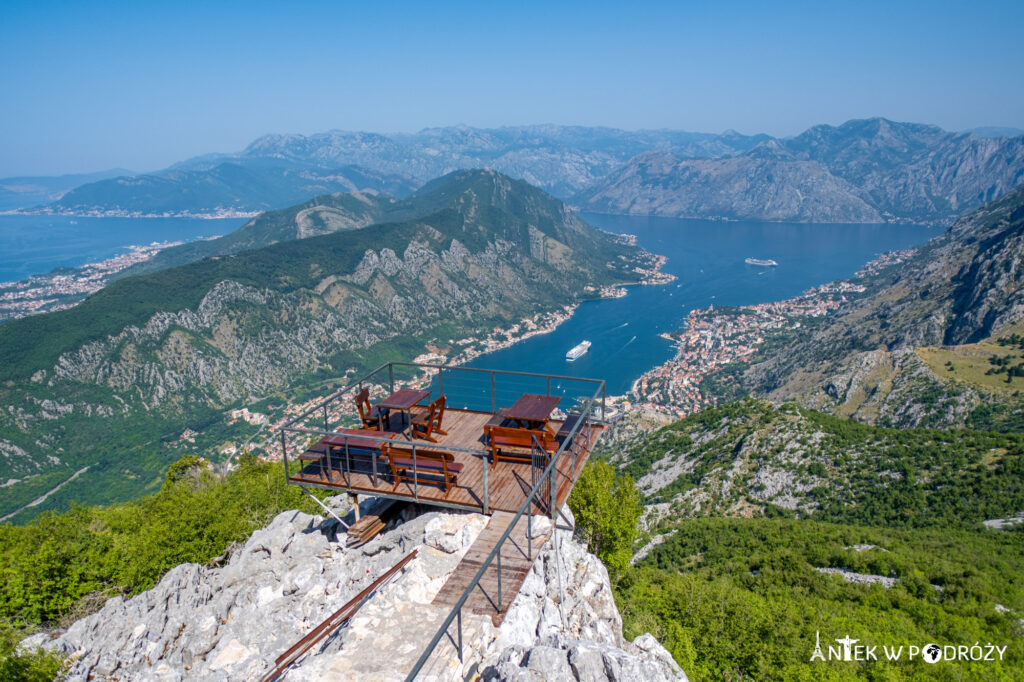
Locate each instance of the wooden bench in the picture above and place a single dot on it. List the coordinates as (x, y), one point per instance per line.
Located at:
(512, 443)
(438, 467)
(568, 423)
(316, 453)
(350, 445)
(498, 419)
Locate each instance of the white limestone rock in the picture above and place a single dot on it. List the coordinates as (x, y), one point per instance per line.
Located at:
(230, 623)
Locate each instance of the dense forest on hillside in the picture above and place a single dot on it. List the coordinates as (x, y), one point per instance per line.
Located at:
(740, 598)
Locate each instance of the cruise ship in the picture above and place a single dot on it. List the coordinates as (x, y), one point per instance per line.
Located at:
(760, 261)
(578, 351)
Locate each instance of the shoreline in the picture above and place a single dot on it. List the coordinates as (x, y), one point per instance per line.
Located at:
(711, 338)
(64, 288)
(215, 215)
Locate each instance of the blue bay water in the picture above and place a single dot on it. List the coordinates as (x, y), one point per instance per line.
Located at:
(708, 259)
(35, 245)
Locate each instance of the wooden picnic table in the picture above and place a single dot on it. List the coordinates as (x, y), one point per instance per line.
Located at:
(403, 400)
(532, 408)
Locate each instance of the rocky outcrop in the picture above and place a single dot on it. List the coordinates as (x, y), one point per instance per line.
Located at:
(860, 361)
(743, 187)
(231, 622)
(564, 625)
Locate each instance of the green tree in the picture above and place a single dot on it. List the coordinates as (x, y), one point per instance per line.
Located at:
(607, 509)
(24, 666)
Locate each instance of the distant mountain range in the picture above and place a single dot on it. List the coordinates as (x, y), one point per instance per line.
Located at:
(280, 170)
(225, 189)
(110, 385)
(871, 170)
(558, 159)
(25, 191)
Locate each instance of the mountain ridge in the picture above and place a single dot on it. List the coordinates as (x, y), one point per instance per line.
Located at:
(875, 170)
(149, 357)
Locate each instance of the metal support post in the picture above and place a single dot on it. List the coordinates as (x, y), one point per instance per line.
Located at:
(494, 402)
(460, 635)
(348, 465)
(415, 475)
(284, 454)
(391, 377)
(554, 494)
(487, 486)
(499, 581)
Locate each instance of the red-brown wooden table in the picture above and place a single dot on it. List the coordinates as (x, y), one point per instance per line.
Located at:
(533, 409)
(403, 400)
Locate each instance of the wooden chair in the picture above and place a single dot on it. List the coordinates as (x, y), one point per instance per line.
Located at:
(429, 466)
(371, 416)
(428, 421)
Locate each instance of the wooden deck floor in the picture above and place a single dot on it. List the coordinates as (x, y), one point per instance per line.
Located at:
(515, 564)
(509, 482)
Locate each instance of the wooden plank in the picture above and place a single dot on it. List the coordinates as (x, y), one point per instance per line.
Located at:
(515, 565)
(369, 525)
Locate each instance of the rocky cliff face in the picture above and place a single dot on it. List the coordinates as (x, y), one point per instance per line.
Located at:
(862, 171)
(860, 361)
(231, 622)
(743, 187)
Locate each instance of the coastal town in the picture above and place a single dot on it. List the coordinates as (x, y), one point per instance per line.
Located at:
(216, 214)
(65, 287)
(711, 339)
(715, 337)
(886, 260)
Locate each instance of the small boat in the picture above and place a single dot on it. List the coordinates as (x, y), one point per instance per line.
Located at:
(577, 351)
(760, 261)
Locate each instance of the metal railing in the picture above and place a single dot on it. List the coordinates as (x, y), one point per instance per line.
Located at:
(499, 387)
(549, 476)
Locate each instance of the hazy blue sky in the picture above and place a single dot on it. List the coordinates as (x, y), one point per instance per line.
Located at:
(88, 85)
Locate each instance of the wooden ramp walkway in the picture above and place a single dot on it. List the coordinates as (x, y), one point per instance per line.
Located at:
(515, 564)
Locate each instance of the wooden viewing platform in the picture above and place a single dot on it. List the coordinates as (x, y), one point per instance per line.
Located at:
(516, 460)
(508, 482)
